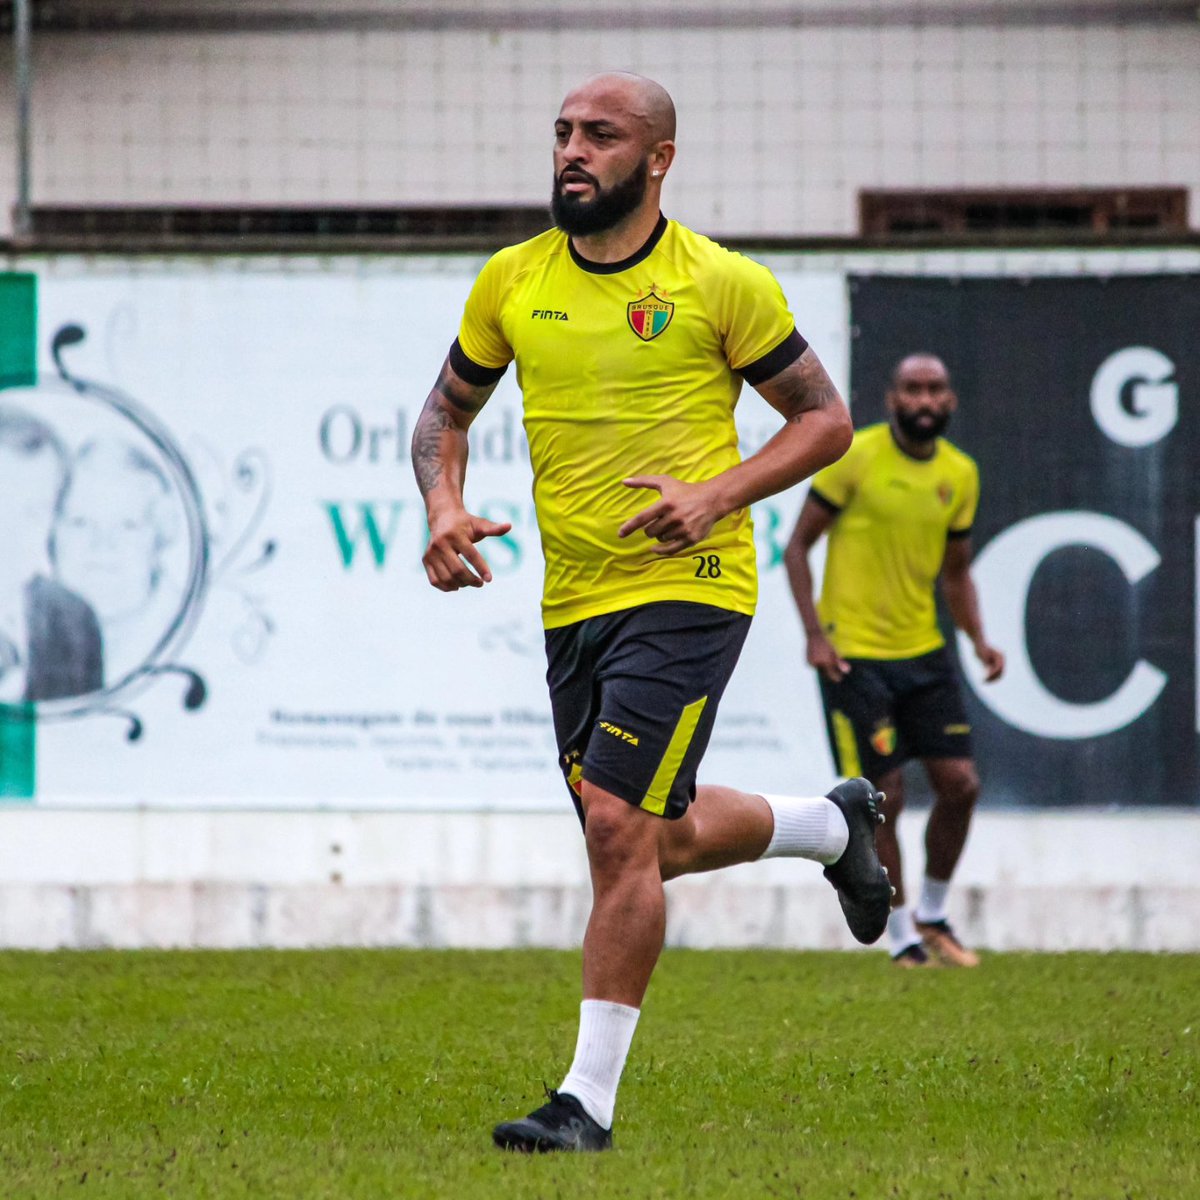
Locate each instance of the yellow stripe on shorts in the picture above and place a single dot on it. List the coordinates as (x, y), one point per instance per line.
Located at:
(655, 800)
(846, 744)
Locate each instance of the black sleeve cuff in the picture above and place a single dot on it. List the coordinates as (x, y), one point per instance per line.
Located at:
(824, 501)
(470, 371)
(775, 360)
(959, 533)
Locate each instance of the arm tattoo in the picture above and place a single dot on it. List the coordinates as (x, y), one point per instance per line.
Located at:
(466, 399)
(439, 438)
(810, 387)
(426, 445)
(450, 408)
(801, 388)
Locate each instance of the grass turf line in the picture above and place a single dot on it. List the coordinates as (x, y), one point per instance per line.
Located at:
(350, 1073)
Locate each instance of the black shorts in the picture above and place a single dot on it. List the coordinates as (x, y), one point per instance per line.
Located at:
(634, 695)
(886, 711)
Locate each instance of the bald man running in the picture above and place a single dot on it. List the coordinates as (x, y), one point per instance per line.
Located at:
(632, 336)
(899, 508)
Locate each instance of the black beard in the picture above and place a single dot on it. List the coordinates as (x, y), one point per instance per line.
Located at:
(918, 432)
(581, 218)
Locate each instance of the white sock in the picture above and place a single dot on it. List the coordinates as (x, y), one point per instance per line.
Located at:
(806, 828)
(932, 904)
(605, 1032)
(902, 933)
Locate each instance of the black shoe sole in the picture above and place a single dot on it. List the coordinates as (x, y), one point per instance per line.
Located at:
(540, 1144)
(522, 1144)
(860, 879)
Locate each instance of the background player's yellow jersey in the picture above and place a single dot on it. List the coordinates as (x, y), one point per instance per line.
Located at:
(629, 368)
(886, 545)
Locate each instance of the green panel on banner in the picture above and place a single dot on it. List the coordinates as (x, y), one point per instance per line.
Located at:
(18, 329)
(18, 752)
(18, 366)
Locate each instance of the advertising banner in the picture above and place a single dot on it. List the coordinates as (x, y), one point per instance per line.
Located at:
(212, 590)
(1080, 401)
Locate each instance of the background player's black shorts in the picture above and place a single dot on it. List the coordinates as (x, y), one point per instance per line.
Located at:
(634, 695)
(886, 711)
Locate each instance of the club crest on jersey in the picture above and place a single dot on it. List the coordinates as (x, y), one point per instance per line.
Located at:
(945, 493)
(650, 315)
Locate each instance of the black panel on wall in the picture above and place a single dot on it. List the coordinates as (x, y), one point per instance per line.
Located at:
(1080, 400)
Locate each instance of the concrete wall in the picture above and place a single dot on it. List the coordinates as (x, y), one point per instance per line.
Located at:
(1046, 881)
(134, 877)
(786, 111)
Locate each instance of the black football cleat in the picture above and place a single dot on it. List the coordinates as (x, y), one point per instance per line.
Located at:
(913, 956)
(943, 945)
(861, 881)
(562, 1124)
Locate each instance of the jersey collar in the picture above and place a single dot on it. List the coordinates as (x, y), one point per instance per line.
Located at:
(639, 255)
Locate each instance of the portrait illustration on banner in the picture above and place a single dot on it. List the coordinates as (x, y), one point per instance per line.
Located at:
(110, 548)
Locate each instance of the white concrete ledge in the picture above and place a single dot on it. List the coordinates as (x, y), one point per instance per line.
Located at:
(707, 915)
(1036, 881)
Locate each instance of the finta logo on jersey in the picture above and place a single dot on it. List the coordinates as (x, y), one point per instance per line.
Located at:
(548, 314)
(650, 315)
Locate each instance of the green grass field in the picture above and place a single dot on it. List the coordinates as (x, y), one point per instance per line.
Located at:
(380, 1073)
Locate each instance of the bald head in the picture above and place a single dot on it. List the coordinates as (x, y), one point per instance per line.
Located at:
(646, 103)
(923, 366)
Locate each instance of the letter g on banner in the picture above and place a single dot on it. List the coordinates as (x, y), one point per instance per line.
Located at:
(1003, 573)
(1153, 400)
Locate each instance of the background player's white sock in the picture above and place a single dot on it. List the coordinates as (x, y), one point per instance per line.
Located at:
(605, 1032)
(806, 828)
(932, 904)
(902, 933)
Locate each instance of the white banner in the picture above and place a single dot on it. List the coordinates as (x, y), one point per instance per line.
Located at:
(241, 518)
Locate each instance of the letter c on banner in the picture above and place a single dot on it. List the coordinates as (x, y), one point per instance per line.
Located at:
(1153, 399)
(1003, 573)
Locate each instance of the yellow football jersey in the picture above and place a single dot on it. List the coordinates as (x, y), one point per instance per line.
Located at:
(887, 542)
(628, 368)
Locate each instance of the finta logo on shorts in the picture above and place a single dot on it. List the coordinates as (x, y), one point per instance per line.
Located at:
(548, 314)
(617, 731)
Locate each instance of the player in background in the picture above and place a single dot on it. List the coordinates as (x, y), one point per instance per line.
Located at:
(632, 336)
(898, 508)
